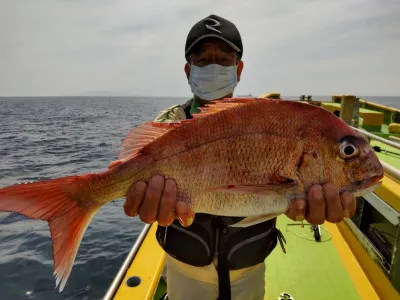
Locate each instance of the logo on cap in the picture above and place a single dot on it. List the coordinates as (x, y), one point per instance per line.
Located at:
(214, 25)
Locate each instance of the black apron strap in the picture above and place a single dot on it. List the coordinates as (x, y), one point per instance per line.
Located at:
(224, 282)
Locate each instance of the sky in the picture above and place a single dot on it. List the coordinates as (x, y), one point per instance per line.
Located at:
(136, 48)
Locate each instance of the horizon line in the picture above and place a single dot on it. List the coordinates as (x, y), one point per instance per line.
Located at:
(154, 96)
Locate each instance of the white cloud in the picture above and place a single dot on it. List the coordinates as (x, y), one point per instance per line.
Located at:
(137, 47)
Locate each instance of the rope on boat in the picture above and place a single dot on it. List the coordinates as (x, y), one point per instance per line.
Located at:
(305, 237)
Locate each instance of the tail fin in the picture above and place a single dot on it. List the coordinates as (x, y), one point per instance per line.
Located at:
(67, 204)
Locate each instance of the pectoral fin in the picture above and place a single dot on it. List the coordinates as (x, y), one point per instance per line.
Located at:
(249, 221)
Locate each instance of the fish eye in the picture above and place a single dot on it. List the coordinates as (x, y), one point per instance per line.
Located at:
(348, 150)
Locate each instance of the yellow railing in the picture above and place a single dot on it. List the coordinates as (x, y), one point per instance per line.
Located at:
(139, 280)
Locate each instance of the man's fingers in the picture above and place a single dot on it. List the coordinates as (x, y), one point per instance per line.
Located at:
(316, 205)
(166, 210)
(184, 213)
(296, 210)
(349, 204)
(334, 208)
(134, 198)
(149, 209)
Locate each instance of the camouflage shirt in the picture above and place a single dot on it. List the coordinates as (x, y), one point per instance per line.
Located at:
(178, 112)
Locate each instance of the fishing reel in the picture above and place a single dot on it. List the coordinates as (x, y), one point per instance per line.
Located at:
(316, 229)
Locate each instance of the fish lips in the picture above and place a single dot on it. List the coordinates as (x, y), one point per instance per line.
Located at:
(375, 180)
(375, 168)
(367, 186)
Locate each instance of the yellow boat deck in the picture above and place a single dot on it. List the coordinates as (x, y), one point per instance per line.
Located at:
(315, 268)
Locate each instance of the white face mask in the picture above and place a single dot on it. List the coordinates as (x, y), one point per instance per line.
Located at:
(212, 81)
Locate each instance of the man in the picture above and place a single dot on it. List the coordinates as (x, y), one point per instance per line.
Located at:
(207, 259)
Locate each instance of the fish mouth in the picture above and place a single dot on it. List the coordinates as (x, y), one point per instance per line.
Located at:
(370, 184)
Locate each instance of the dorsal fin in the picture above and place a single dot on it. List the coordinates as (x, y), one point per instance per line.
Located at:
(221, 105)
(144, 134)
(141, 136)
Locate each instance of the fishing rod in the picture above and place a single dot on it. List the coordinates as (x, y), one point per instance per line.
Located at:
(379, 149)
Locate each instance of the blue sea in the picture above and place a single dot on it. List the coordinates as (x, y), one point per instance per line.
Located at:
(43, 138)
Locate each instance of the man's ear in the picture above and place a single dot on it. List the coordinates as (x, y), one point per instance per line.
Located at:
(239, 70)
(187, 70)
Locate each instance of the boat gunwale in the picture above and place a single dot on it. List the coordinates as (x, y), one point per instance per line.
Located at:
(116, 283)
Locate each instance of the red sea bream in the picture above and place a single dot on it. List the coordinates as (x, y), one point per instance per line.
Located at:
(238, 157)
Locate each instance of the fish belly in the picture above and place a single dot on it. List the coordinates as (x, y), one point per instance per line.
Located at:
(240, 205)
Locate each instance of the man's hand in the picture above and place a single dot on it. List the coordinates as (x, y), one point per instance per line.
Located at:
(324, 203)
(155, 201)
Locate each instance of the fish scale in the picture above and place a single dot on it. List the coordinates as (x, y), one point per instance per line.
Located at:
(229, 165)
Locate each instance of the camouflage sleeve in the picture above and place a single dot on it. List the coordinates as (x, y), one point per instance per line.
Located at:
(170, 114)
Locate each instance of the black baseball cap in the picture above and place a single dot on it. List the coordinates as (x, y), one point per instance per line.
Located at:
(214, 26)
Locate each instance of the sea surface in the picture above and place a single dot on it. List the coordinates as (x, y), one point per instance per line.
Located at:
(43, 138)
